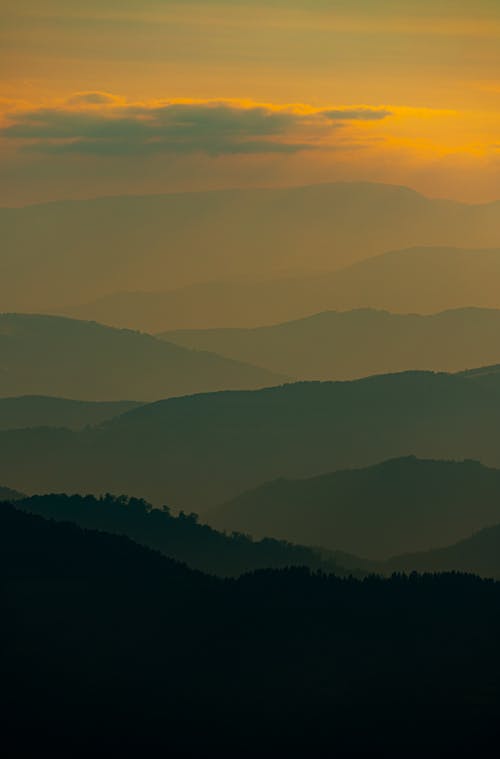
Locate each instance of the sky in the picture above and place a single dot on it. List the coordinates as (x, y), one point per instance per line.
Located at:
(111, 97)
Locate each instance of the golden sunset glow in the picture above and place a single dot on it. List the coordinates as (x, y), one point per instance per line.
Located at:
(250, 378)
(413, 88)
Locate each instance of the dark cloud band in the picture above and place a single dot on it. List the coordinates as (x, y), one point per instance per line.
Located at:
(101, 126)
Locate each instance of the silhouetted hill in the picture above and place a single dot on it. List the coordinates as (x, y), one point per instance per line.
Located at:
(33, 547)
(180, 537)
(478, 554)
(398, 506)
(422, 280)
(161, 242)
(200, 451)
(51, 355)
(486, 376)
(6, 494)
(106, 643)
(346, 345)
(44, 411)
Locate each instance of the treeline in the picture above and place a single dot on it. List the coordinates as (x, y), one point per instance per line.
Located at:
(178, 536)
(108, 644)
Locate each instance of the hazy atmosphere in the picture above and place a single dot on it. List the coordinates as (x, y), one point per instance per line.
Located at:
(115, 97)
(250, 377)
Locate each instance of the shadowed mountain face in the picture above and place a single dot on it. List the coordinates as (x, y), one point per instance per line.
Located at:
(6, 494)
(200, 451)
(398, 506)
(62, 253)
(44, 411)
(423, 280)
(478, 554)
(94, 623)
(56, 356)
(346, 345)
(179, 537)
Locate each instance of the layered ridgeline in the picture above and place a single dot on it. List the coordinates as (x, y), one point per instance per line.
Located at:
(198, 451)
(179, 536)
(45, 411)
(7, 494)
(479, 554)
(57, 356)
(398, 506)
(103, 637)
(421, 280)
(63, 253)
(405, 517)
(345, 345)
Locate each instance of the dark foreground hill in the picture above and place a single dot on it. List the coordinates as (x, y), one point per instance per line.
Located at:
(6, 494)
(106, 643)
(43, 411)
(346, 345)
(200, 451)
(51, 355)
(73, 251)
(398, 506)
(420, 280)
(180, 537)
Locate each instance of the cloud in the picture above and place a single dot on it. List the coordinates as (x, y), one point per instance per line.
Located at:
(94, 98)
(102, 124)
(357, 114)
(126, 147)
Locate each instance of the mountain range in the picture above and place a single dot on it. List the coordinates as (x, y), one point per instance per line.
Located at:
(96, 624)
(59, 254)
(478, 554)
(418, 279)
(184, 538)
(394, 507)
(199, 451)
(57, 356)
(347, 345)
(7, 494)
(179, 537)
(46, 411)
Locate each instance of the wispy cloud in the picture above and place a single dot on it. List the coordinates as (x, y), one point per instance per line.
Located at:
(104, 124)
(357, 114)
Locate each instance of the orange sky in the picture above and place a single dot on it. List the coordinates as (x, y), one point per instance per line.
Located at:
(135, 96)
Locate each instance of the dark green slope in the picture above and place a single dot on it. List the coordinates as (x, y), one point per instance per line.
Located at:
(44, 411)
(486, 376)
(179, 537)
(57, 356)
(345, 345)
(199, 451)
(398, 506)
(6, 494)
(106, 643)
(478, 554)
(33, 547)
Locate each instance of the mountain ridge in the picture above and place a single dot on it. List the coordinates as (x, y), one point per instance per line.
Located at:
(371, 511)
(56, 355)
(161, 240)
(18, 412)
(477, 554)
(180, 537)
(202, 450)
(353, 344)
(418, 279)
